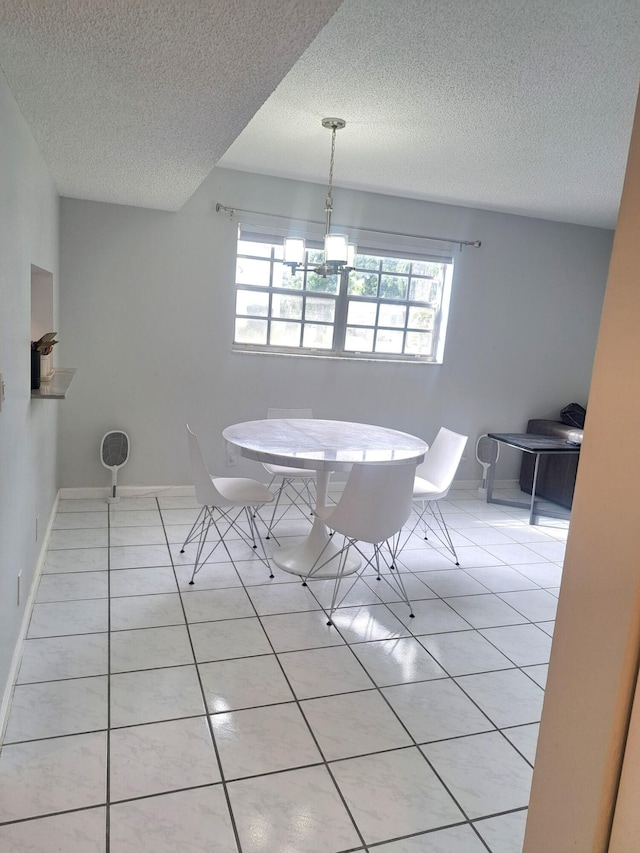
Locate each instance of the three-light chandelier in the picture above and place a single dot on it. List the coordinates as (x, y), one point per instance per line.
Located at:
(339, 253)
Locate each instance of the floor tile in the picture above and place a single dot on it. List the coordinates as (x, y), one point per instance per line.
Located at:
(154, 695)
(502, 578)
(451, 712)
(457, 839)
(525, 739)
(134, 518)
(473, 557)
(397, 661)
(82, 505)
(69, 552)
(376, 622)
(229, 638)
(146, 611)
(73, 586)
(45, 776)
(483, 772)
(282, 598)
(139, 556)
(79, 539)
(514, 554)
(69, 617)
(54, 708)
(430, 617)
(129, 504)
(538, 673)
(485, 611)
(353, 724)
(263, 740)
(553, 551)
(210, 605)
(296, 631)
(148, 648)
(525, 645)
(64, 657)
(547, 627)
(323, 672)
(451, 582)
(389, 591)
(505, 833)
(188, 821)
(77, 520)
(244, 683)
(150, 535)
(543, 574)
(507, 697)
(272, 813)
(161, 757)
(465, 652)
(392, 794)
(211, 576)
(76, 832)
(143, 581)
(536, 604)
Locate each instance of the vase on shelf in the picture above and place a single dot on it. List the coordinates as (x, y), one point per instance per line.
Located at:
(46, 367)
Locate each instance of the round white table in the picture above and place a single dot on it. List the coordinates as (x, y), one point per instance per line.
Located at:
(323, 446)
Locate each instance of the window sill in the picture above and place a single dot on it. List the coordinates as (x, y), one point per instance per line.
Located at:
(323, 356)
(56, 388)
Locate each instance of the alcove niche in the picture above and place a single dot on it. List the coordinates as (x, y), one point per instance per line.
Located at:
(41, 302)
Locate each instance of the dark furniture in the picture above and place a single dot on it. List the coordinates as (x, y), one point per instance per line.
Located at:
(556, 474)
(539, 448)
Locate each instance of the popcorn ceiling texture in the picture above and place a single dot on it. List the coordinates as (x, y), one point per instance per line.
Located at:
(523, 107)
(134, 101)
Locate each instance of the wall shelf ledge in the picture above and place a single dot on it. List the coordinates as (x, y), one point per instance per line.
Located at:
(56, 388)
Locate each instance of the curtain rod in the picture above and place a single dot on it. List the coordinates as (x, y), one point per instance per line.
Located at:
(474, 244)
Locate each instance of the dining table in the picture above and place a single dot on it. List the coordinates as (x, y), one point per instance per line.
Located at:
(325, 446)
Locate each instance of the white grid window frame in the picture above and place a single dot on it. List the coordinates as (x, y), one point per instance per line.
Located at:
(392, 307)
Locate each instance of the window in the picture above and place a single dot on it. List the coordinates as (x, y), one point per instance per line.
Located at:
(390, 308)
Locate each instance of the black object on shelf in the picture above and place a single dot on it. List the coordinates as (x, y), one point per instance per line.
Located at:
(35, 369)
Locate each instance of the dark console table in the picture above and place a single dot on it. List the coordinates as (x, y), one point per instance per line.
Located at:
(538, 445)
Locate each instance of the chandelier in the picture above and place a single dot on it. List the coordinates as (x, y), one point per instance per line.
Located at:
(339, 253)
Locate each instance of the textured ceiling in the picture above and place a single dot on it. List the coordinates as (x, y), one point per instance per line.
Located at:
(524, 107)
(134, 101)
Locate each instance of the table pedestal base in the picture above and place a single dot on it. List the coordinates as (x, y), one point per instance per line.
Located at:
(299, 559)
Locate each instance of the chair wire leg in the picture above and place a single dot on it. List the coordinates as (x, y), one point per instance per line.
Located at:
(445, 538)
(204, 532)
(192, 533)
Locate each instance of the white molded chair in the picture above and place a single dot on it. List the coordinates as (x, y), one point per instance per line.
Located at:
(374, 506)
(223, 495)
(294, 482)
(433, 480)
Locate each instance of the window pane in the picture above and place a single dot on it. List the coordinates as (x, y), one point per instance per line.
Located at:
(423, 290)
(393, 287)
(360, 340)
(287, 306)
(295, 281)
(422, 318)
(387, 341)
(285, 334)
(320, 284)
(428, 268)
(418, 343)
(362, 313)
(252, 302)
(251, 331)
(363, 284)
(249, 271)
(247, 247)
(367, 262)
(395, 265)
(392, 315)
(317, 337)
(320, 309)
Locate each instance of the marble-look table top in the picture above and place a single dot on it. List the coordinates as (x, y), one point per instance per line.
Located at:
(323, 445)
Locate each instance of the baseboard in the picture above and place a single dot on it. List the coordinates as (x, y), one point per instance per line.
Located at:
(26, 617)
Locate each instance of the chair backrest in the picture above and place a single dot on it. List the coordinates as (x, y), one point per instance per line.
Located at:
(442, 459)
(289, 413)
(375, 503)
(206, 492)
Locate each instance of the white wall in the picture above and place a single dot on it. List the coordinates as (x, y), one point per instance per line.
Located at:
(28, 429)
(147, 306)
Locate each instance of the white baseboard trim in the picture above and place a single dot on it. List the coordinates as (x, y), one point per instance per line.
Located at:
(17, 652)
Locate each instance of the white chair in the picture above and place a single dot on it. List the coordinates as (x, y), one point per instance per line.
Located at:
(223, 495)
(374, 506)
(294, 482)
(433, 480)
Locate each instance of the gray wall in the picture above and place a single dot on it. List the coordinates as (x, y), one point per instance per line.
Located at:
(147, 304)
(28, 429)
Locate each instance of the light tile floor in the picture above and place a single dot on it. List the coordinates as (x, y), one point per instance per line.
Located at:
(149, 715)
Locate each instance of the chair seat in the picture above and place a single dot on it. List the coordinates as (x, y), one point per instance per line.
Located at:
(424, 490)
(285, 471)
(242, 490)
